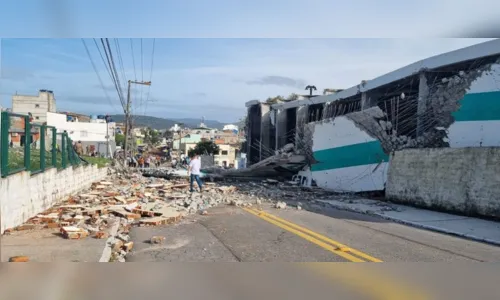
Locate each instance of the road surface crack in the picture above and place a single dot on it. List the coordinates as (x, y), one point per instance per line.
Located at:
(220, 241)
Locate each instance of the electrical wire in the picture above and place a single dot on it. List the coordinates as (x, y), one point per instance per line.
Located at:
(120, 60)
(113, 76)
(150, 76)
(98, 75)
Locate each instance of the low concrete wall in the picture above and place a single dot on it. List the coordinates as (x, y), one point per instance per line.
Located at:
(23, 196)
(462, 180)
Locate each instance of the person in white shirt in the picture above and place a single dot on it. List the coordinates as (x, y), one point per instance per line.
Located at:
(194, 172)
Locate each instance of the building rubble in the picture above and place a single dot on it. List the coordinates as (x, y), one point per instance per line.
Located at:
(284, 163)
(109, 209)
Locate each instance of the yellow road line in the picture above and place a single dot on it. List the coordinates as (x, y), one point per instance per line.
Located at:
(307, 237)
(320, 237)
(370, 282)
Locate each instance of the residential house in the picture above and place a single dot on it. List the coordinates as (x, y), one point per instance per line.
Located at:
(38, 105)
(99, 136)
(226, 156)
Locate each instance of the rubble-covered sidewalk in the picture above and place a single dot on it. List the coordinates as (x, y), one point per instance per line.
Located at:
(94, 225)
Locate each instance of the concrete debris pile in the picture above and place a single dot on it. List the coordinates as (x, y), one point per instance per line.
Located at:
(108, 209)
(277, 192)
(284, 163)
(165, 172)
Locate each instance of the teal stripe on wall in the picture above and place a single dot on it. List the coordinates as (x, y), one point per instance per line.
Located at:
(479, 107)
(349, 156)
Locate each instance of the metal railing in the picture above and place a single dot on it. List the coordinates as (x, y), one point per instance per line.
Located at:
(38, 148)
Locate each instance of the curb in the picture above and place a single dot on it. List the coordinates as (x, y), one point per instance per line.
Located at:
(106, 252)
(417, 225)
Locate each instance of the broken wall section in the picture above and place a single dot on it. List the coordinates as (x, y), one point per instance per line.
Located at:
(419, 120)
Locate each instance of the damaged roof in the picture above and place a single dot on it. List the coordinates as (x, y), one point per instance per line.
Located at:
(485, 49)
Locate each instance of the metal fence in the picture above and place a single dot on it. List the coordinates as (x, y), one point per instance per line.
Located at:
(33, 147)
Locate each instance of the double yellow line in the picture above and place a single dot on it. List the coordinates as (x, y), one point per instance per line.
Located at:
(368, 282)
(324, 242)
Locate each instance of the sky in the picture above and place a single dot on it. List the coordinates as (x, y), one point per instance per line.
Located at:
(209, 59)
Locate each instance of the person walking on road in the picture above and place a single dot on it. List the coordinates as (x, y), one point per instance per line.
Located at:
(194, 172)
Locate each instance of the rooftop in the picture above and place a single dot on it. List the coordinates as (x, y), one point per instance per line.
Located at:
(486, 49)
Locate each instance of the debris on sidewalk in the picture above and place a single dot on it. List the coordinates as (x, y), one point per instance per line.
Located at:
(280, 205)
(125, 200)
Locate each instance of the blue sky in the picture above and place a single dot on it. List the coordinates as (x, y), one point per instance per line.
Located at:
(224, 52)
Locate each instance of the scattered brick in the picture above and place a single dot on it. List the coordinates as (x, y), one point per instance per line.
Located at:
(19, 259)
(26, 227)
(128, 246)
(74, 233)
(101, 235)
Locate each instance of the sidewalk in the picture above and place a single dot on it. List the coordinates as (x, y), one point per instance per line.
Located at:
(466, 227)
(46, 245)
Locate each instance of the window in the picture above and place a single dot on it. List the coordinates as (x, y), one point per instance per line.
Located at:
(223, 152)
(37, 105)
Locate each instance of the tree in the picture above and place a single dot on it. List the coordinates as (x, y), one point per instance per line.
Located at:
(204, 148)
(331, 91)
(292, 97)
(151, 136)
(119, 139)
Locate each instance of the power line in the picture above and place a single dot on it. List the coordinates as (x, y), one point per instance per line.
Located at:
(109, 69)
(142, 75)
(120, 60)
(133, 58)
(98, 76)
(112, 66)
(150, 76)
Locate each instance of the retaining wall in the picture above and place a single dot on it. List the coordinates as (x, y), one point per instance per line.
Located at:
(464, 180)
(23, 195)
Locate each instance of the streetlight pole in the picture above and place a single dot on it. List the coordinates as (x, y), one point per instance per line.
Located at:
(127, 115)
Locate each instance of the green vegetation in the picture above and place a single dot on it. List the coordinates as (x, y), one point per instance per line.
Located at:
(16, 159)
(120, 139)
(204, 147)
(151, 136)
(101, 162)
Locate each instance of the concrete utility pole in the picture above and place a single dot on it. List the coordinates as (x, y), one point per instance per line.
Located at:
(128, 124)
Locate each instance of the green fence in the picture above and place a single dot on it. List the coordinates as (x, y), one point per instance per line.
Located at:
(36, 147)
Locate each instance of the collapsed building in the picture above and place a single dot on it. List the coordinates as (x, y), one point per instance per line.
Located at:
(346, 138)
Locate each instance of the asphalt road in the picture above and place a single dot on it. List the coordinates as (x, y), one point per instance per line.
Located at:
(266, 234)
(229, 234)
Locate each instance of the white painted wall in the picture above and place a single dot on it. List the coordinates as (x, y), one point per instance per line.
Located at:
(23, 196)
(342, 132)
(337, 133)
(479, 133)
(82, 131)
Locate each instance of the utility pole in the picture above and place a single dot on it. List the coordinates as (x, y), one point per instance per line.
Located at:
(128, 124)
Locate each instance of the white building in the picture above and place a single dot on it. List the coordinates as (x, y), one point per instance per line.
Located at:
(230, 127)
(92, 133)
(175, 128)
(38, 105)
